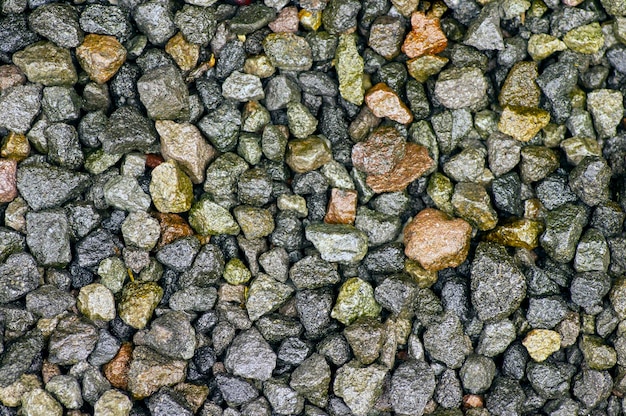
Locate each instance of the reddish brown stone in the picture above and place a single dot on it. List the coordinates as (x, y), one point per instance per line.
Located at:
(116, 370)
(152, 160)
(101, 56)
(472, 400)
(286, 21)
(380, 153)
(49, 370)
(173, 227)
(10, 76)
(426, 38)
(415, 163)
(436, 240)
(8, 180)
(384, 102)
(341, 207)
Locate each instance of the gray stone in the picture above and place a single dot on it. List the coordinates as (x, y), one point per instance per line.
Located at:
(284, 400)
(46, 186)
(338, 242)
(171, 335)
(128, 130)
(477, 373)
(63, 146)
(124, 192)
(250, 356)
(48, 237)
(461, 88)
(67, 390)
(590, 180)
(48, 301)
(105, 20)
(72, 341)
(57, 22)
(154, 18)
(564, 226)
(311, 379)
(360, 387)
(444, 341)
(164, 93)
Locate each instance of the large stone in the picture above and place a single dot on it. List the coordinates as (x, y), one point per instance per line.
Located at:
(250, 356)
(47, 64)
(164, 93)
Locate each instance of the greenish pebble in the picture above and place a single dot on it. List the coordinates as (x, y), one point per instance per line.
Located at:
(138, 302)
(274, 143)
(472, 203)
(304, 155)
(254, 222)
(96, 302)
(301, 122)
(359, 386)
(113, 273)
(340, 243)
(294, 203)
(223, 173)
(208, 218)
(152, 272)
(440, 190)
(288, 52)
(47, 64)
(587, 39)
(141, 230)
(249, 148)
(266, 295)
(170, 188)
(542, 45)
(38, 402)
(598, 355)
(355, 300)
(124, 192)
(423, 67)
(236, 273)
(607, 108)
(349, 66)
(592, 252)
(113, 403)
(254, 117)
(564, 226)
(99, 161)
(337, 175)
(577, 148)
(537, 163)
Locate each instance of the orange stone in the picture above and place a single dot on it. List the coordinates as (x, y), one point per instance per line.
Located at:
(341, 207)
(116, 370)
(8, 180)
(384, 102)
(416, 162)
(380, 152)
(426, 37)
(436, 240)
(173, 227)
(472, 400)
(101, 56)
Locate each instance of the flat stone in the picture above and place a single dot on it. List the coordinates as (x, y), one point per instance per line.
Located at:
(101, 57)
(436, 240)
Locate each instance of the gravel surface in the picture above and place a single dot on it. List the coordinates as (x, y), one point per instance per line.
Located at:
(313, 207)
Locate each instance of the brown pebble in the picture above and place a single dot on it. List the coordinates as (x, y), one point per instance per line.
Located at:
(426, 37)
(193, 394)
(286, 21)
(185, 54)
(173, 227)
(116, 370)
(472, 400)
(232, 293)
(380, 152)
(416, 162)
(49, 370)
(10, 76)
(8, 180)
(436, 240)
(341, 207)
(15, 146)
(153, 160)
(384, 102)
(101, 56)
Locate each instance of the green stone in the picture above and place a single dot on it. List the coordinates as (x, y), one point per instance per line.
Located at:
(349, 66)
(587, 39)
(38, 402)
(520, 87)
(138, 302)
(355, 300)
(598, 355)
(113, 273)
(254, 117)
(337, 175)
(592, 252)
(274, 143)
(113, 403)
(99, 161)
(358, 386)
(305, 155)
(236, 273)
(423, 67)
(222, 175)
(472, 203)
(365, 337)
(251, 18)
(301, 122)
(141, 230)
(254, 222)
(577, 148)
(288, 52)
(208, 218)
(523, 123)
(523, 233)
(553, 134)
(294, 203)
(614, 7)
(340, 243)
(266, 295)
(170, 188)
(540, 46)
(47, 64)
(537, 163)
(249, 148)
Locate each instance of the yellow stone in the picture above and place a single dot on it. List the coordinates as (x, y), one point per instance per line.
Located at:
(541, 343)
(519, 87)
(310, 20)
(185, 54)
(425, 66)
(421, 276)
(587, 39)
(523, 233)
(523, 123)
(11, 395)
(259, 65)
(541, 45)
(101, 57)
(15, 146)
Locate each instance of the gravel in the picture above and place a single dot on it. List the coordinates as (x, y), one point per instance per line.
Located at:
(312, 208)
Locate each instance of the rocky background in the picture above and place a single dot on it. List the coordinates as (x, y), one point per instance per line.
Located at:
(313, 207)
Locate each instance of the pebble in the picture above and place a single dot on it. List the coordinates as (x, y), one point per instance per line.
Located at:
(586, 39)
(250, 356)
(288, 51)
(541, 343)
(522, 123)
(8, 180)
(19, 105)
(242, 87)
(266, 295)
(461, 88)
(184, 53)
(48, 237)
(155, 20)
(384, 102)
(170, 188)
(338, 242)
(47, 64)
(124, 193)
(359, 386)
(444, 341)
(67, 390)
(149, 371)
(101, 57)
(355, 300)
(138, 302)
(38, 402)
(380, 153)
(311, 379)
(341, 207)
(416, 162)
(307, 154)
(542, 45)
(412, 387)
(164, 93)
(564, 227)
(425, 37)
(96, 302)
(520, 88)
(472, 203)
(208, 218)
(113, 403)
(349, 65)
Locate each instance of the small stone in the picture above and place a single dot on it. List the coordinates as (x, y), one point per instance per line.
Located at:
(537, 163)
(380, 153)
(112, 273)
(592, 252)
(170, 334)
(101, 57)
(541, 343)
(472, 203)
(425, 66)
(461, 88)
(286, 21)
(444, 341)
(523, 233)
(116, 370)
(61, 104)
(365, 337)
(293, 203)
(384, 102)
(72, 341)
(164, 93)
(96, 302)
(598, 355)
(266, 295)
(340, 16)
(425, 37)
(466, 166)
(113, 403)
(251, 18)
(577, 148)
(47, 64)
(386, 36)
(138, 302)
(311, 379)
(541, 46)
(184, 53)
(359, 386)
(312, 272)
(124, 193)
(587, 39)
(349, 66)
(522, 123)
(170, 188)
(484, 33)
(304, 155)
(47, 237)
(416, 162)
(338, 242)
(355, 300)
(155, 20)
(105, 20)
(341, 207)
(301, 122)
(67, 390)
(128, 130)
(8, 180)
(477, 373)
(288, 52)
(520, 88)
(208, 218)
(242, 87)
